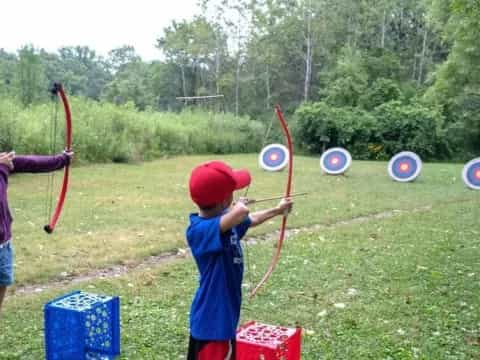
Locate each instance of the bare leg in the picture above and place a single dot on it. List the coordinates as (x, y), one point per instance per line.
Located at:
(3, 290)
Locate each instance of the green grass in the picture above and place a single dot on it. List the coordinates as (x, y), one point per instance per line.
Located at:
(415, 276)
(123, 213)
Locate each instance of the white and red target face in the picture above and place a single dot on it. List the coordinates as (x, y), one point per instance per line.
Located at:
(471, 174)
(335, 161)
(405, 166)
(273, 157)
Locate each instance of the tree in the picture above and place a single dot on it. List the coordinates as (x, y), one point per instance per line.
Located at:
(457, 80)
(131, 83)
(30, 76)
(82, 71)
(190, 45)
(348, 81)
(121, 57)
(7, 73)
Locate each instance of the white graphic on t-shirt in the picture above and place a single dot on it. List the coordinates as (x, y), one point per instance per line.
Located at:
(237, 250)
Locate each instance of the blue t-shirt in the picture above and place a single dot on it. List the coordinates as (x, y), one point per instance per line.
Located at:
(216, 306)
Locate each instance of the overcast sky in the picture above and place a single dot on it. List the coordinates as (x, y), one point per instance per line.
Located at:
(100, 24)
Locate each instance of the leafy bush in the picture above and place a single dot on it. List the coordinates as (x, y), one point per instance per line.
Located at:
(390, 128)
(381, 91)
(351, 128)
(410, 127)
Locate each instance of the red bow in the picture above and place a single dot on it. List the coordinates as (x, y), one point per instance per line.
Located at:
(57, 90)
(288, 190)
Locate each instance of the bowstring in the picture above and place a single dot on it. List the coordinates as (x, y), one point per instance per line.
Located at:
(52, 146)
(247, 256)
(247, 251)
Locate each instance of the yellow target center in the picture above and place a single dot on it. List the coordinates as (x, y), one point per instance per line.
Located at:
(335, 160)
(274, 157)
(477, 174)
(404, 167)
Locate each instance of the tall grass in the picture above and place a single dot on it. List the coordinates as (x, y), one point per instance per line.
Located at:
(104, 132)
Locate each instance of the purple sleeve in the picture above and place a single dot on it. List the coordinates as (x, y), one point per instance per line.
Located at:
(39, 163)
(4, 171)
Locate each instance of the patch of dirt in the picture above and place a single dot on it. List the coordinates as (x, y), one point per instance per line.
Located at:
(116, 271)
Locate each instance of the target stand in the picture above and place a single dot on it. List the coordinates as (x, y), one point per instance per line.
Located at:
(471, 174)
(405, 166)
(273, 157)
(335, 161)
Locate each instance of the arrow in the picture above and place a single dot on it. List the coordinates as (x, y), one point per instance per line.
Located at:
(254, 201)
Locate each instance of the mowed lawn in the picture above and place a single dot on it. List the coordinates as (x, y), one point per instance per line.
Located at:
(405, 286)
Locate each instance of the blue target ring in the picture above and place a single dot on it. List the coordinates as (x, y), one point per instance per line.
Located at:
(273, 157)
(471, 174)
(405, 166)
(335, 161)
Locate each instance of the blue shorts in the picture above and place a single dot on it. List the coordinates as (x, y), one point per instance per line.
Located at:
(6, 265)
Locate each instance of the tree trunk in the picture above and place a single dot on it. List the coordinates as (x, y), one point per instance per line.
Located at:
(348, 31)
(309, 55)
(267, 84)
(237, 84)
(217, 67)
(382, 41)
(422, 58)
(414, 70)
(184, 86)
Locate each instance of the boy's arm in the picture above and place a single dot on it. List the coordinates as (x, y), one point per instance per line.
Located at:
(235, 216)
(259, 217)
(40, 163)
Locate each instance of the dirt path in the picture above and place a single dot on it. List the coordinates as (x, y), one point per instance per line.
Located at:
(116, 271)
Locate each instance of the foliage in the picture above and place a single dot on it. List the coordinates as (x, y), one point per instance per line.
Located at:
(106, 132)
(350, 128)
(348, 81)
(410, 127)
(381, 91)
(457, 79)
(29, 77)
(392, 127)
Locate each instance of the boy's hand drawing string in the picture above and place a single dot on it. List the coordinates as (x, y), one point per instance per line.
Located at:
(57, 91)
(288, 190)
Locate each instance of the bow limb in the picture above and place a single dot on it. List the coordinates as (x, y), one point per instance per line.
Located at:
(288, 189)
(58, 91)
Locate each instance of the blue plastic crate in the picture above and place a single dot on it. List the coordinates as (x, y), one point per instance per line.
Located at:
(82, 326)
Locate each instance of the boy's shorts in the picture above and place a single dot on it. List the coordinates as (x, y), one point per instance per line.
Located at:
(6, 264)
(211, 350)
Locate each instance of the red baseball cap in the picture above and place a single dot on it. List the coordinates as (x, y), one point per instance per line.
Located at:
(212, 182)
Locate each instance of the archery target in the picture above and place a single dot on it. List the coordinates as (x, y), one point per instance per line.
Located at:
(471, 174)
(335, 161)
(405, 166)
(273, 157)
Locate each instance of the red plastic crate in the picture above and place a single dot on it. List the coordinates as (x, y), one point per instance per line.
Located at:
(256, 341)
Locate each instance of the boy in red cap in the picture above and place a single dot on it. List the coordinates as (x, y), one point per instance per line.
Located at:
(214, 238)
